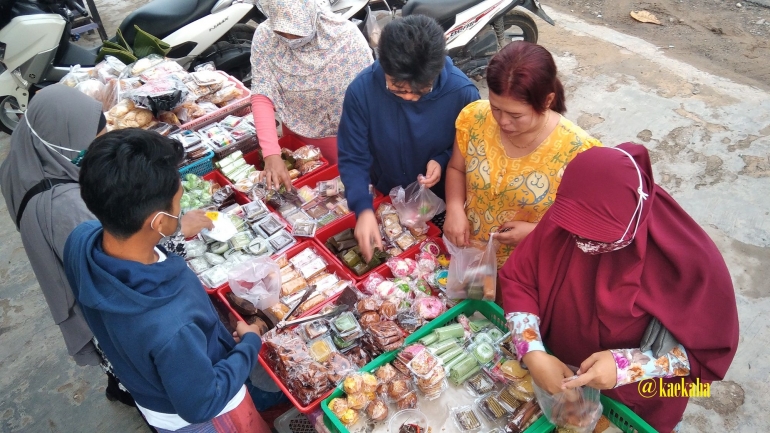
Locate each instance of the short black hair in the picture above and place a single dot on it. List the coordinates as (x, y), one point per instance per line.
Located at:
(412, 50)
(128, 174)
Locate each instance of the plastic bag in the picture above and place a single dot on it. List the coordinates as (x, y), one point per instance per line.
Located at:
(257, 281)
(472, 270)
(375, 22)
(160, 95)
(577, 409)
(75, 76)
(416, 205)
(95, 89)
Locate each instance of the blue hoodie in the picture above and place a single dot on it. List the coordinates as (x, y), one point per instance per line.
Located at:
(387, 141)
(158, 328)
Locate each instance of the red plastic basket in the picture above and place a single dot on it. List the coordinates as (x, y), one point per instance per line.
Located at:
(239, 107)
(349, 222)
(332, 266)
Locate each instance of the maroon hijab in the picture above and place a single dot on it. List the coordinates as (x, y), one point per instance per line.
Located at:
(589, 303)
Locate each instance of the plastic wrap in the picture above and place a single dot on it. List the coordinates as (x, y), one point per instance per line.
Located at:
(416, 205)
(472, 271)
(75, 76)
(257, 281)
(577, 409)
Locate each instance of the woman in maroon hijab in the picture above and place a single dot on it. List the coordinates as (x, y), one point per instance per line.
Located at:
(614, 257)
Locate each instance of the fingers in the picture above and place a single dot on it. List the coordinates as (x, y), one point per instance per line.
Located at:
(365, 246)
(587, 364)
(582, 380)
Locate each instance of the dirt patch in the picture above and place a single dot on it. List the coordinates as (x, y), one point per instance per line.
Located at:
(714, 35)
(726, 397)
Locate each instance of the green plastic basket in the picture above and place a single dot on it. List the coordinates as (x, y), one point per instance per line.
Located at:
(617, 413)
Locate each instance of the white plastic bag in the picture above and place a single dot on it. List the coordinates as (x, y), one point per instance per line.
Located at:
(416, 205)
(74, 76)
(258, 281)
(577, 409)
(472, 270)
(375, 22)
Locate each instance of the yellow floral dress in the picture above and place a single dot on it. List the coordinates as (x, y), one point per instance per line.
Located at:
(501, 189)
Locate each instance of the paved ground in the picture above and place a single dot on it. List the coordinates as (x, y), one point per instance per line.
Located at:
(709, 139)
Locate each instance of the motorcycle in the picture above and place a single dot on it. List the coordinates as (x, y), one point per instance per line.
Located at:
(198, 31)
(474, 29)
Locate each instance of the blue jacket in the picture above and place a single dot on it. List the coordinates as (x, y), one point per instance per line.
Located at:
(387, 141)
(158, 328)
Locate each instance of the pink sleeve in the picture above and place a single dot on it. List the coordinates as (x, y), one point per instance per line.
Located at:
(264, 122)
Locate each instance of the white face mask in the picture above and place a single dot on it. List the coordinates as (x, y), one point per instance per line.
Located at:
(178, 222)
(55, 148)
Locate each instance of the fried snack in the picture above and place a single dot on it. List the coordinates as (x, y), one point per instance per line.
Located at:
(369, 318)
(357, 401)
(386, 373)
(398, 389)
(602, 425)
(350, 417)
(353, 384)
(377, 410)
(367, 304)
(369, 383)
(388, 310)
(279, 310)
(408, 401)
(339, 406)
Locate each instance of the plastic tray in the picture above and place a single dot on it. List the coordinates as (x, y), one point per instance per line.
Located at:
(200, 167)
(239, 107)
(217, 177)
(349, 222)
(618, 414)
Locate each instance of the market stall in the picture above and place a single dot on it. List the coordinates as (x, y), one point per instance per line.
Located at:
(376, 346)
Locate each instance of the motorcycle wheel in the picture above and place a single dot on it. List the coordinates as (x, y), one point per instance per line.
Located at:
(517, 26)
(10, 114)
(240, 34)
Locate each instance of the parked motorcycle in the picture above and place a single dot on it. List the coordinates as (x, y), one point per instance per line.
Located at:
(475, 29)
(198, 31)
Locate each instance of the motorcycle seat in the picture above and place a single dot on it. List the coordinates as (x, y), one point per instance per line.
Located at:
(160, 18)
(443, 11)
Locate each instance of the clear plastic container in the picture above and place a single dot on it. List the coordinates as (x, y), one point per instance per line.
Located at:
(466, 419)
(408, 416)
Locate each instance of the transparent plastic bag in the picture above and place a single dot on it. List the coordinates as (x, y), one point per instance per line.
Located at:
(472, 270)
(416, 205)
(577, 409)
(258, 281)
(375, 22)
(75, 76)
(93, 88)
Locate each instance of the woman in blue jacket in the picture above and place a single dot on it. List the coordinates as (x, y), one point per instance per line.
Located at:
(398, 119)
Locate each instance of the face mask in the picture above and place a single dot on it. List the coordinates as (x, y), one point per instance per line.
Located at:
(296, 43)
(76, 160)
(595, 247)
(178, 222)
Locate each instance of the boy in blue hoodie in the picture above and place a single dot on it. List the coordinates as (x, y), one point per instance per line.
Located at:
(147, 309)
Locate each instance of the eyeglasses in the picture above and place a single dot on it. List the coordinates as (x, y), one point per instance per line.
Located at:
(407, 92)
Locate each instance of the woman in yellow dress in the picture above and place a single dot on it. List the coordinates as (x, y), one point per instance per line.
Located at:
(510, 151)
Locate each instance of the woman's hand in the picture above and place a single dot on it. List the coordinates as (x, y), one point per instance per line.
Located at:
(432, 174)
(598, 371)
(195, 221)
(275, 173)
(513, 232)
(547, 371)
(242, 328)
(368, 234)
(457, 228)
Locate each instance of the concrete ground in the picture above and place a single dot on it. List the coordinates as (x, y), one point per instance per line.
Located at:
(709, 140)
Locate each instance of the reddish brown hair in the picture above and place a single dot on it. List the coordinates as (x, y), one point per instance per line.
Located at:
(526, 72)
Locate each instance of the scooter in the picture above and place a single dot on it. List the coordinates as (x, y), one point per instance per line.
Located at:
(474, 29)
(198, 31)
